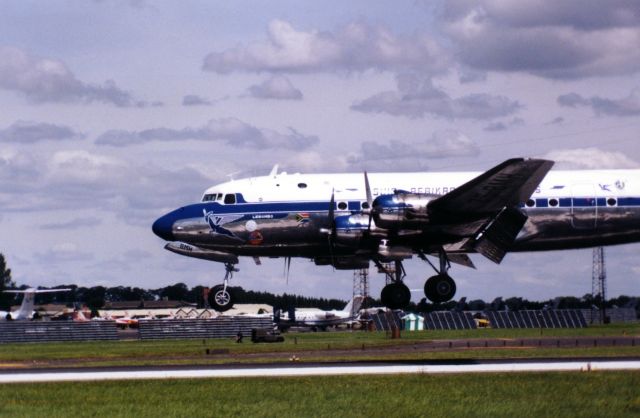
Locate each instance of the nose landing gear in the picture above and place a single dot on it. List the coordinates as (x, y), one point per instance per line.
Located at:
(221, 298)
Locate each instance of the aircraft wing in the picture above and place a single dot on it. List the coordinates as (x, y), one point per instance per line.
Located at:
(505, 185)
(485, 209)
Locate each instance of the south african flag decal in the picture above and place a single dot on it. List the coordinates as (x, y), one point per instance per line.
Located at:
(302, 218)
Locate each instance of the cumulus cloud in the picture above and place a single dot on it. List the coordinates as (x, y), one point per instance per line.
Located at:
(503, 125)
(590, 158)
(417, 96)
(565, 39)
(355, 47)
(43, 80)
(556, 121)
(277, 87)
(30, 132)
(76, 223)
(195, 100)
(64, 252)
(231, 131)
(442, 144)
(627, 106)
(76, 179)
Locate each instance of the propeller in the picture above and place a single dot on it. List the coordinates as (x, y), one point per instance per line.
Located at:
(287, 268)
(369, 210)
(332, 231)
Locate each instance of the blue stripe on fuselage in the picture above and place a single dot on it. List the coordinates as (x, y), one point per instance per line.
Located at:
(253, 210)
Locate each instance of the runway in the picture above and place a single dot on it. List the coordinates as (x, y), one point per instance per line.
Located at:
(298, 369)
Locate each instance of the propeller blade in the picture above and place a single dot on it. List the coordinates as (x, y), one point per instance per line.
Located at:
(332, 219)
(332, 205)
(368, 190)
(369, 210)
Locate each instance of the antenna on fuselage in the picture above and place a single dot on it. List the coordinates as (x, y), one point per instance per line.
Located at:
(233, 174)
(274, 171)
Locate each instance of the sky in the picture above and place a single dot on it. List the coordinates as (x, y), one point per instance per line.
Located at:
(116, 111)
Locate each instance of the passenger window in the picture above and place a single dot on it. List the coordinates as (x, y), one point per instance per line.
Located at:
(230, 199)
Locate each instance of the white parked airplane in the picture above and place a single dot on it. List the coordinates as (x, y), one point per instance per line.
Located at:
(333, 219)
(320, 319)
(28, 301)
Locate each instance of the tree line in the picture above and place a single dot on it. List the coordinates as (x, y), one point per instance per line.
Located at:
(95, 298)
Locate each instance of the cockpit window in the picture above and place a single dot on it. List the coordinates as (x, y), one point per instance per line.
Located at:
(210, 197)
(230, 199)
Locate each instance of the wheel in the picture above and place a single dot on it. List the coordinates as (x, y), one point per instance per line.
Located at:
(395, 296)
(440, 288)
(220, 299)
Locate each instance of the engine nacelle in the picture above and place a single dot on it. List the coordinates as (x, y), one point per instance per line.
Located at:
(402, 210)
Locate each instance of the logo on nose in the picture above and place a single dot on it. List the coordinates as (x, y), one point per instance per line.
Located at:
(216, 221)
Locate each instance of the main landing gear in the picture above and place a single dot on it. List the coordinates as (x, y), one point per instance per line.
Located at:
(221, 297)
(441, 287)
(396, 294)
(438, 289)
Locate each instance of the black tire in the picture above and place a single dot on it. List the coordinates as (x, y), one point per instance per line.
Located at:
(395, 296)
(221, 300)
(440, 288)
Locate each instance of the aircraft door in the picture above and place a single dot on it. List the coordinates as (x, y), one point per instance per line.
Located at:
(584, 206)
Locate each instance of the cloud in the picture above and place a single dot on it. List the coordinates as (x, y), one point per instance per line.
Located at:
(277, 87)
(63, 252)
(556, 121)
(417, 97)
(590, 158)
(355, 47)
(627, 106)
(194, 100)
(48, 80)
(76, 180)
(76, 223)
(442, 144)
(503, 126)
(231, 131)
(32, 132)
(565, 39)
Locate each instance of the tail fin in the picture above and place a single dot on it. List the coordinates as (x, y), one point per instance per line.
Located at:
(354, 305)
(28, 301)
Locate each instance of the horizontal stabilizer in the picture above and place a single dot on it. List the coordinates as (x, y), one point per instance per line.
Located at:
(497, 238)
(38, 290)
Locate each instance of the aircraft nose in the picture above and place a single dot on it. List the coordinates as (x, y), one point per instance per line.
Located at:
(163, 227)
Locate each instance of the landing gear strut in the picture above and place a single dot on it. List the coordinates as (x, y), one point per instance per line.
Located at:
(396, 294)
(220, 296)
(441, 287)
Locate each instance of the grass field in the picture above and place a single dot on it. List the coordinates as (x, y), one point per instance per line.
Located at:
(586, 394)
(319, 346)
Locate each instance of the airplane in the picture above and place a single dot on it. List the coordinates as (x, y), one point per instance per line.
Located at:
(333, 219)
(26, 307)
(320, 319)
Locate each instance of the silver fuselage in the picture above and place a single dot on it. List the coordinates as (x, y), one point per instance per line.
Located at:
(289, 216)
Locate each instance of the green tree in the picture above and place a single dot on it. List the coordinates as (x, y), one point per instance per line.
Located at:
(5, 283)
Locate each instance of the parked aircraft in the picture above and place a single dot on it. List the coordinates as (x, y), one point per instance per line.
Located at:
(26, 308)
(320, 319)
(350, 220)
